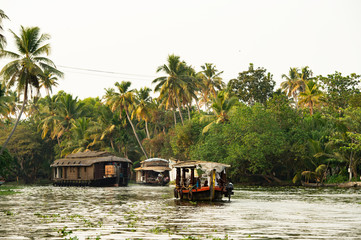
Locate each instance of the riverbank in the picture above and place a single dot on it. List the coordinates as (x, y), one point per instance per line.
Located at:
(340, 185)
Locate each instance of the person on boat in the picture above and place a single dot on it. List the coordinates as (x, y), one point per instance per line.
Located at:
(165, 180)
(160, 178)
(205, 183)
(198, 182)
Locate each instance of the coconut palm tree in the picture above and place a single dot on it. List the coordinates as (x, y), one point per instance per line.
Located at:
(104, 128)
(190, 90)
(144, 107)
(2, 37)
(221, 106)
(290, 83)
(295, 82)
(79, 139)
(123, 100)
(4, 108)
(62, 111)
(27, 67)
(172, 84)
(211, 81)
(49, 79)
(311, 97)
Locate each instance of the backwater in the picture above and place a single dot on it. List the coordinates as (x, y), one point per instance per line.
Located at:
(145, 212)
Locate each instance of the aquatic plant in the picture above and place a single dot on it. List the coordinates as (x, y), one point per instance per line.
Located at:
(63, 232)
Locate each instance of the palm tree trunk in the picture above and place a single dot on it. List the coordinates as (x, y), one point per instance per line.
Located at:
(189, 113)
(175, 118)
(111, 143)
(17, 121)
(197, 104)
(146, 129)
(135, 134)
(179, 108)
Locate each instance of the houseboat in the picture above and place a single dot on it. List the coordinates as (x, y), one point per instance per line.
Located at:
(153, 171)
(91, 169)
(202, 181)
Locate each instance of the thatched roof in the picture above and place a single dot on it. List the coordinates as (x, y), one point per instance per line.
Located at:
(87, 159)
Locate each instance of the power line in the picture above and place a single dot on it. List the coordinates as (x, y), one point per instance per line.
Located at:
(107, 76)
(108, 72)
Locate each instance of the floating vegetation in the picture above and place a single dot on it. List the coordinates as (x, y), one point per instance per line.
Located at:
(63, 232)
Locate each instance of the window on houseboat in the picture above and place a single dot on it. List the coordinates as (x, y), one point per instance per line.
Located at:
(79, 172)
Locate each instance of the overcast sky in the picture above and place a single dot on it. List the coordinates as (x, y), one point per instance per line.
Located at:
(132, 38)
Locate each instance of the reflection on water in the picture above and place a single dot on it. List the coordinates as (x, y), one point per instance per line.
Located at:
(143, 212)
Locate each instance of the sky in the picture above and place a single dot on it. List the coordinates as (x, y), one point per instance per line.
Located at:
(97, 43)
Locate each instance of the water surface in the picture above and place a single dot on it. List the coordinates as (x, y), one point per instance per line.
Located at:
(144, 212)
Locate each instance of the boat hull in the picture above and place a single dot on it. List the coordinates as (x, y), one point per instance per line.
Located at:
(105, 182)
(200, 194)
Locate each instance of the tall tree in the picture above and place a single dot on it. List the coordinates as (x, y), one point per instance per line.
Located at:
(144, 105)
(211, 81)
(28, 65)
(290, 84)
(311, 97)
(2, 37)
(340, 89)
(4, 108)
(221, 106)
(123, 100)
(172, 85)
(60, 112)
(49, 79)
(254, 85)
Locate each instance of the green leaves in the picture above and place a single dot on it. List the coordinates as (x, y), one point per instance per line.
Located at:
(254, 85)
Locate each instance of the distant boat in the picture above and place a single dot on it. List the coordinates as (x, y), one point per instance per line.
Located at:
(2, 180)
(91, 169)
(202, 181)
(153, 171)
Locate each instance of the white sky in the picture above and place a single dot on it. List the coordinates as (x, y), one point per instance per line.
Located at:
(135, 37)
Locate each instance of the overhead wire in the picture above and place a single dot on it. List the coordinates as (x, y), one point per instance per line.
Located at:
(113, 77)
(107, 72)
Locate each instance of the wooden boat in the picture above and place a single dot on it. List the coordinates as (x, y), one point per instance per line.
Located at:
(202, 181)
(153, 171)
(91, 169)
(2, 180)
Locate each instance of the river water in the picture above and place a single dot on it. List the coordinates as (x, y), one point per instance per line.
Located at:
(144, 212)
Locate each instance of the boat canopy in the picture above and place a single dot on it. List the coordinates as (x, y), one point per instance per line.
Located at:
(203, 165)
(155, 169)
(156, 159)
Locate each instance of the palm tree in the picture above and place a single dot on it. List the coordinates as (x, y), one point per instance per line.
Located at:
(4, 108)
(221, 106)
(27, 67)
(2, 37)
(49, 79)
(290, 84)
(104, 128)
(190, 90)
(211, 81)
(172, 85)
(123, 100)
(62, 111)
(143, 109)
(311, 97)
(295, 82)
(79, 140)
